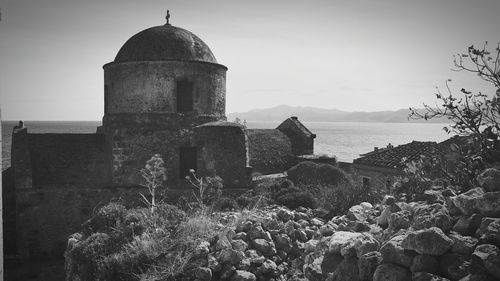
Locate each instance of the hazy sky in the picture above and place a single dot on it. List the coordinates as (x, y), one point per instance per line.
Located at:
(352, 55)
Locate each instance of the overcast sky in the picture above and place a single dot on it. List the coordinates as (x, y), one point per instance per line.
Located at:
(355, 55)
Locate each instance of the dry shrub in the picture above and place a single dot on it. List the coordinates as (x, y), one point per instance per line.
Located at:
(308, 173)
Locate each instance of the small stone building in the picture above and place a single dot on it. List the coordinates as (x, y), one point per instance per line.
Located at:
(164, 93)
(378, 168)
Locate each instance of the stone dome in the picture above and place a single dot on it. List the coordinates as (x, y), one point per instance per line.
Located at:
(165, 42)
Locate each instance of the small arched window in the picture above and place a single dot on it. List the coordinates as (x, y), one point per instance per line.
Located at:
(184, 96)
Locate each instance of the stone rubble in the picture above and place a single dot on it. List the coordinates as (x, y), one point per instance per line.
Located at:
(444, 237)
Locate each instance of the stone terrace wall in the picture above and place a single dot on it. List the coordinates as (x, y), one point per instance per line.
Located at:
(68, 159)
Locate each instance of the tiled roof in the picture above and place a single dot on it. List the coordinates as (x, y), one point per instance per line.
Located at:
(392, 157)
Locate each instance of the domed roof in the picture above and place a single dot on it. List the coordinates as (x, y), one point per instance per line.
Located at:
(165, 42)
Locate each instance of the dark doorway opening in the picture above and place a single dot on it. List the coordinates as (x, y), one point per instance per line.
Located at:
(366, 183)
(184, 96)
(187, 161)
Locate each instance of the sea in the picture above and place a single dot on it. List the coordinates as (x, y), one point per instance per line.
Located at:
(345, 140)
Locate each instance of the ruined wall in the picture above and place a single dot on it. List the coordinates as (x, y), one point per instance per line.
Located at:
(301, 138)
(45, 217)
(224, 152)
(270, 151)
(147, 87)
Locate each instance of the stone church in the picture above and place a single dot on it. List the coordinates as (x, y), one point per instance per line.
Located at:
(164, 93)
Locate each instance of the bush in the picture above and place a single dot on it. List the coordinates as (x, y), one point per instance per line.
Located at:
(308, 172)
(224, 204)
(295, 197)
(88, 253)
(108, 217)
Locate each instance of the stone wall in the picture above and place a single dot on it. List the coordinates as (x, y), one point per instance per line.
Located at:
(270, 151)
(45, 217)
(9, 212)
(146, 87)
(223, 150)
(21, 158)
(69, 159)
(380, 178)
(134, 138)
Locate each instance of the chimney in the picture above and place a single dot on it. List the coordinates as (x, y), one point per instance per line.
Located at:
(375, 148)
(294, 117)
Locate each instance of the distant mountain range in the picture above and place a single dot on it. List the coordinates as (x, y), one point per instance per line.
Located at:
(313, 114)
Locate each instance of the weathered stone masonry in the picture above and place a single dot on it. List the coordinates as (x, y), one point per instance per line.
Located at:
(164, 93)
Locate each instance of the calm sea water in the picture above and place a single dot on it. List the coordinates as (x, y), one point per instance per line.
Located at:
(346, 140)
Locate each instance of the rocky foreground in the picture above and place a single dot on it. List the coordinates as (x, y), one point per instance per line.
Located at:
(443, 237)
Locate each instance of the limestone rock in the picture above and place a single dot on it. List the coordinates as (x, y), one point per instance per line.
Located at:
(203, 274)
(254, 257)
(347, 270)
(356, 213)
(366, 206)
(300, 216)
(230, 256)
(489, 179)
(430, 241)
(426, 216)
(391, 272)
(222, 244)
(265, 247)
(462, 244)
(313, 270)
(425, 263)
(330, 263)
(310, 245)
(202, 249)
(488, 204)
(257, 232)
(425, 276)
(454, 266)
(317, 222)
(240, 236)
(365, 243)
(478, 277)
(284, 214)
(213, 263)
(399, 220)
(326, 230)
(487, 256)
(433, 196)
(466, 202)
(227, 271)
(467, 225)
(283, 243)
(244, 264)
(268, 268)
(393, 252)
(489, 231)
(241, 275)
(239, 245)
(383, 219)
(340, 240)
(367, 264)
